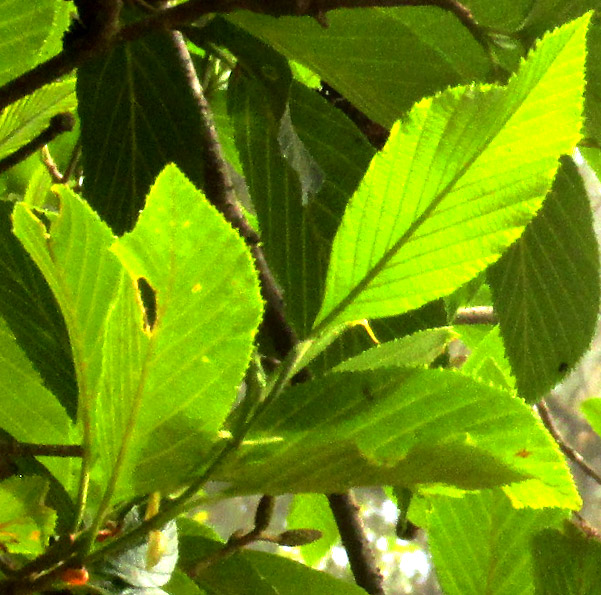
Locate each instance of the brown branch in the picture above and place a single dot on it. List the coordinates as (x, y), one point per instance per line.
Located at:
(170, 18)
(58, 124)
(567, 450)
(361, 559)
(26, 449)
(219, 191)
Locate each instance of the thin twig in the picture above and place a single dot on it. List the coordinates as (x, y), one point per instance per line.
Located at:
(476, 315)
(239, 540)
(26, 449)
(567, 450)
(51, 167)
(60, 123)
(170, 18)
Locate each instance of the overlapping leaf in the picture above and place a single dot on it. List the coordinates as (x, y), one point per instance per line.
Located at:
(567, 561)
(168, 387)
(546, 288)
(30, 413)
(137, 115)
(481, 544)
(296, 237)
(73, 255)
(312, 510)
(507, 15)
(30, 310)
(378, 79)
(456, 184)
(419, 349)
(591, 408)
(262, 574)
(488, 362)
(415, 427)
(23, 120)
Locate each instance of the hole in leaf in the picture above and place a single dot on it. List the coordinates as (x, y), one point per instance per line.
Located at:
(149, 302)
(43, 219)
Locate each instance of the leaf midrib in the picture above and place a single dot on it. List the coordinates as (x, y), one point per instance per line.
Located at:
(403, 240)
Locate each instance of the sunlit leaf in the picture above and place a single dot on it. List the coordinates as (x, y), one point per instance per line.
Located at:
(312, 510)
(73, 255)
(30, 413)
(23, 30)
(419, 349)
(378, 78)
(412, 427)
(455, 185)
(168, 386)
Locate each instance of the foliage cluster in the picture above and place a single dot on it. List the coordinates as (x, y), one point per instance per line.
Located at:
(241, 202)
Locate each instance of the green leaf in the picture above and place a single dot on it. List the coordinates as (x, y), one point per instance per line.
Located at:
(546, 288)
(137, 115)
(30, 310)
(226, 577)
(411, 427)
(180, 584)
(30, 413)
(356, 340)
(455, 185)
(296, 238)
(25, 521)
(168, 387)
(23, 30)
(74, 257)
(292, 578)
(363, 53)
(593, 82)
(262, 574)
(567, 562)
(487, 361)
(21, 121)
(591, 408)
(480, 544)
(419, 349)
(312, 511)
